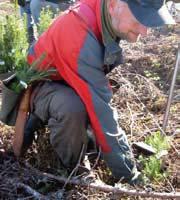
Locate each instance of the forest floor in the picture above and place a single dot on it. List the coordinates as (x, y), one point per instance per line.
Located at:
(141, 87)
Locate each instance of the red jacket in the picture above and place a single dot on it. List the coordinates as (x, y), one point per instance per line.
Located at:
(73, 44)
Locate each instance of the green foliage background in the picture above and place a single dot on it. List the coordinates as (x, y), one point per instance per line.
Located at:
(13, 43)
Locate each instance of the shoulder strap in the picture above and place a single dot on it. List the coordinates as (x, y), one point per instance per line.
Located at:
(88, 15)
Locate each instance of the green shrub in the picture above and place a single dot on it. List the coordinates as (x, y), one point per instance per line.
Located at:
(13, 43)
(46, 18)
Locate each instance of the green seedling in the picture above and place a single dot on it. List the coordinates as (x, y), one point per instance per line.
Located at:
(30, 74)
(158, 141)
(152, 166)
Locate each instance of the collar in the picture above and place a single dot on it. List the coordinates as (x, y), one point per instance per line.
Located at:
(111, 42)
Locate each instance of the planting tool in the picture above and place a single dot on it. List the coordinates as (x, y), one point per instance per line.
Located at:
(144, 148)
(170, 97)
(20, 122)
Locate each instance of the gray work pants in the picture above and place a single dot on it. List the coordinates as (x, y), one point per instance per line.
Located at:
(57, 105)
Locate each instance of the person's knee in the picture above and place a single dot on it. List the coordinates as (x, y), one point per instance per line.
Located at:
(68, 135)
(66, 117)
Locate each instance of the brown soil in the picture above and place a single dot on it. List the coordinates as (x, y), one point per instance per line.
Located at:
(141, 87)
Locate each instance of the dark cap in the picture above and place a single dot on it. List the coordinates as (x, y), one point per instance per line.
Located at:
(151, 13)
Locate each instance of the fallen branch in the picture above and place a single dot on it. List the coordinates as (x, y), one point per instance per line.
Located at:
(31, 191)
(108, 188)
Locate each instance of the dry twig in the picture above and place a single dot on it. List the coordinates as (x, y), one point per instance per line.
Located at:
(108, 188)
(75, 169)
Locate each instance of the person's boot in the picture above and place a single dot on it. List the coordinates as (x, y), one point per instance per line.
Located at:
(33, 124)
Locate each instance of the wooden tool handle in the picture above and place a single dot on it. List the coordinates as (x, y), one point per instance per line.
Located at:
(20, 122)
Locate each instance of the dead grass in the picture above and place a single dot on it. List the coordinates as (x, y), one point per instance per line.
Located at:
(141, 89)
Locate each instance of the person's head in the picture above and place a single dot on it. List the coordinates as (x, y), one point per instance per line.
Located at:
(131, 18)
